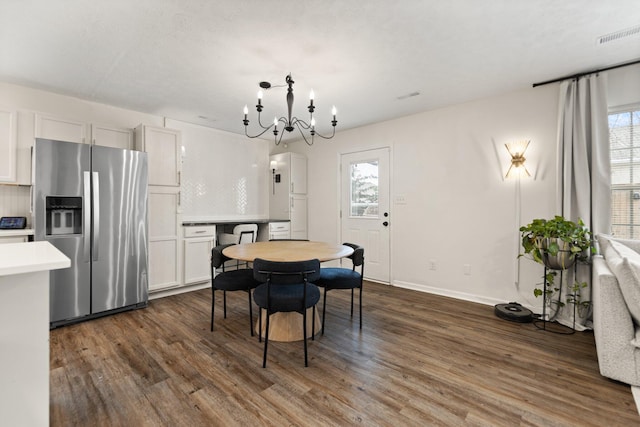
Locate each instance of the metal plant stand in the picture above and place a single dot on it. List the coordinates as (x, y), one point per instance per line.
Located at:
(542, 322)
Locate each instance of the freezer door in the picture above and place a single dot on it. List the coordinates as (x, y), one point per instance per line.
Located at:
(59, 170)
(119, 247)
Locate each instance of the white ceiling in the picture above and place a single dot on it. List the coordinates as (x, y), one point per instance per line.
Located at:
(200, 61)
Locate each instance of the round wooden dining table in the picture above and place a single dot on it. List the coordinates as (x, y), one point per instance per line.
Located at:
(286, 326)
(287, 250)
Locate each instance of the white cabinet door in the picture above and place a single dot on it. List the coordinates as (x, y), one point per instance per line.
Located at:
(163, 147)
(198, 242)
(26, 137)
(164, 250)
(107, 136)
(298, 217)
(298, 174)
(49, 127)
(8, 151)
(197, 255)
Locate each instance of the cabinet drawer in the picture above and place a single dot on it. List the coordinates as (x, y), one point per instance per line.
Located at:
(200, 231)
(278, 226)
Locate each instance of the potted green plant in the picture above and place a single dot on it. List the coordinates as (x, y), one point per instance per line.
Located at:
(557, 243)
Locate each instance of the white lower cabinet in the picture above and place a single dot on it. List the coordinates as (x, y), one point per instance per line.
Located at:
(15, 236)
(279, 230)
(298, 216)
(198, 242)
(13, 239)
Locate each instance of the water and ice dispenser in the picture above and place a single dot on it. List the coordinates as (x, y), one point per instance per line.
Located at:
(64, 215)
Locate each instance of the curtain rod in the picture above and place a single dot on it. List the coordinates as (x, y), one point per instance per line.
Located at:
(577, 76)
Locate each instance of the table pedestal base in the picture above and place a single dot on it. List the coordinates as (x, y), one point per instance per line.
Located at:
(287, 326)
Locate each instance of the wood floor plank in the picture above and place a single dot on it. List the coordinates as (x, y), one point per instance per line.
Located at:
(420, 359)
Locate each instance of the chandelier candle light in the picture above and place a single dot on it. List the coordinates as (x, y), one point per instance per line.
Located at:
(289, 122)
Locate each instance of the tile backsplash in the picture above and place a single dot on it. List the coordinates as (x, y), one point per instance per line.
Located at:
(14, 201)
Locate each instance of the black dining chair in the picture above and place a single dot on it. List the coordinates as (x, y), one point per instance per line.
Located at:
(286, 287)
(233, 280)
(343, 278)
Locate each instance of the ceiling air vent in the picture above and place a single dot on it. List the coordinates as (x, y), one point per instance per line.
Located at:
(409, 95)
(618, 35)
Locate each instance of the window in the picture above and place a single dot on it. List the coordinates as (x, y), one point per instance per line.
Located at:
(624, 140)
(364, 189)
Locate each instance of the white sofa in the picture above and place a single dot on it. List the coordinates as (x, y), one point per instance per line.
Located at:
(616, 272)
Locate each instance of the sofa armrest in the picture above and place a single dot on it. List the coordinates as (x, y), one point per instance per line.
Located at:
(613, 326)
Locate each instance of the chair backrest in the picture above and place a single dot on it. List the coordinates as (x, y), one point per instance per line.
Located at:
(217, 257)
(247, 232)
(357, 257)
(286, 273)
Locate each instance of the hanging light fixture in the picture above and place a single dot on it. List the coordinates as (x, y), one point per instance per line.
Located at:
(516, 150)
(289, 123)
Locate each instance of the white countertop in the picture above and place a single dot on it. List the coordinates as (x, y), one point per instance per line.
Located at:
(19, 232)
(29, 257)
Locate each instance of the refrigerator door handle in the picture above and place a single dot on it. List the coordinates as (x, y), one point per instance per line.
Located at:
(96, 214)
(86, 217)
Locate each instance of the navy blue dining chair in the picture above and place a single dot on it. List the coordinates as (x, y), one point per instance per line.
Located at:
(240, 279)
(286, 287)
(343, 278)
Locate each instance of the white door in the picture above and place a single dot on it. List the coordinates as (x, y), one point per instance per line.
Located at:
(365, 215)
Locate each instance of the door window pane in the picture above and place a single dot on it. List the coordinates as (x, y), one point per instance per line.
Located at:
(364, 189)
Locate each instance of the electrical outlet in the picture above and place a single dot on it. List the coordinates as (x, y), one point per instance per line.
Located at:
(467, 269)
(432, 264)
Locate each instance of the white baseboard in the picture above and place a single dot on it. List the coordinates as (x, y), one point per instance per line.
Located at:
(635, 391)
(449, 293)
(178, 290)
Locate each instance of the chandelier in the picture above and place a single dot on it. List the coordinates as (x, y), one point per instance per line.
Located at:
(289, 123)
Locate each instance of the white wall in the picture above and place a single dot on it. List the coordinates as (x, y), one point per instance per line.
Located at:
(450, 163)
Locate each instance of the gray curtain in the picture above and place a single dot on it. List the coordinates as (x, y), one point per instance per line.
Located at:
(584, 173)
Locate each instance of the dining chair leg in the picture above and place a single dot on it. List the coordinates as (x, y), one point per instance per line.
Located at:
(324, 307)
(313, 324)
(213, 305)
(266, 342)
(224, 299)
(360, 306)
(260, 326)
(304, 335)
(351, 302)
(250, 314)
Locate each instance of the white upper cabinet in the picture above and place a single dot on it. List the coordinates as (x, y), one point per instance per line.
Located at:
(108, 136)
(287, 198)
(163, 148)
(298, 174)
(49, 127)
(8, 146)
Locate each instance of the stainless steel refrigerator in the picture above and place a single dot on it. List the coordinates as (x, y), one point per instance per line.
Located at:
(90, 202)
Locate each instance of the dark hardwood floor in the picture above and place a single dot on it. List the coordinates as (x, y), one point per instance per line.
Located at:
(420, 359)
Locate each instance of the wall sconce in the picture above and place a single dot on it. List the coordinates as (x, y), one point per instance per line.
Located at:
(517, 167)
(273, 165)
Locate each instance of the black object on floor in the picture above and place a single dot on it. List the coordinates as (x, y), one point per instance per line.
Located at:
(514, 312)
